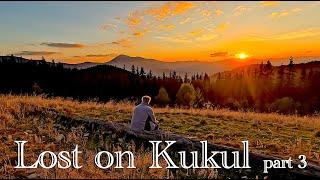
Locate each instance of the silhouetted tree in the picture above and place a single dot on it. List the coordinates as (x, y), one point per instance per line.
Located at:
(142, 73)
(162, 98)
(291, 63)
(186, 94)
(199, 100)
(186, 78)
(291, 69)
(174, 75)
(150, 74)
(269, 65)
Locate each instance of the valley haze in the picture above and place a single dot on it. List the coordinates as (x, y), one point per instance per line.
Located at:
(159, 67)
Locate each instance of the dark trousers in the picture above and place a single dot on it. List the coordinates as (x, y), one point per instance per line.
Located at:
(147, 126)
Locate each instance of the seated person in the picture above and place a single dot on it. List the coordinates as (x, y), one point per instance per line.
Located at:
(143, 117)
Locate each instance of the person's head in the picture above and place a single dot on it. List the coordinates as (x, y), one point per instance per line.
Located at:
(146, 99)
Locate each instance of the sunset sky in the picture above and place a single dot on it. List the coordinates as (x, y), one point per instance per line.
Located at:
(169, 31)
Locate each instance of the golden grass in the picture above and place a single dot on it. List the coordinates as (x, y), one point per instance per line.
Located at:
(18, 122)
(268, 133)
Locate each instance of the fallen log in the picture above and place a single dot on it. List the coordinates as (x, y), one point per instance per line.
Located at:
(102, 127)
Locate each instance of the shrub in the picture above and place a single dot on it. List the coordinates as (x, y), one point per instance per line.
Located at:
(162, 98)
(233, 104)
(36, 89)
(186, 94)
(199, 100)
(284, 105)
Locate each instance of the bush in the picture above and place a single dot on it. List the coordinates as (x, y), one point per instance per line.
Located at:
(36, 89)
(233, 104)
(162, 98)
(199, 100)
(186, 95)
(284, 105)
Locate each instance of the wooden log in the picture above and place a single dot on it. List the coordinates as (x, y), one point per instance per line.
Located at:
(185, 144)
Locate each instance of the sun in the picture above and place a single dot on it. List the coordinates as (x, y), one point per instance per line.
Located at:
(242, 56)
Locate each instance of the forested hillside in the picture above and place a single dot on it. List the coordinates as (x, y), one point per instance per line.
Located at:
(292, 88)
(288, 88)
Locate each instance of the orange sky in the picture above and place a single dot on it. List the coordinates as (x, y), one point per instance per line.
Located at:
(168, 31)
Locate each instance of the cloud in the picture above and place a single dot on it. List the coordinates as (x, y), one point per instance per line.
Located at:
(108, 26)
(122, 42)
(304, 33)
(218, 12)
(169, 9)
(99, 55)
(196, 32)
(206, 37)
(176, 39)
(268, 3)
(205, 13)
(36, 53)
(95, 55)
(186, 20)
(63, 45)
(223, 26)
(311, 32)
(219, 54)
(134, 19)
(254, 38)
(181, 7)
(285, 13)
(240, 10)
(279, 14)
(138, 34)
(296, 10)
(167, 27)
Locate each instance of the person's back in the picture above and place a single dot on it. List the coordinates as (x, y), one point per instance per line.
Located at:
(143, 116)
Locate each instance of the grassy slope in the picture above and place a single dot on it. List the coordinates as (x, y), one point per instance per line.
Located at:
(272, 134)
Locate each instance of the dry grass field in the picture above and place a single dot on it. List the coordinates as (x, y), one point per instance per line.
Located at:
(273, 134)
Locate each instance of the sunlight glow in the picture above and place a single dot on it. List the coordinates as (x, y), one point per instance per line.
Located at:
(242, 56)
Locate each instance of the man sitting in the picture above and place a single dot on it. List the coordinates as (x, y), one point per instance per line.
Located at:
(143, 117)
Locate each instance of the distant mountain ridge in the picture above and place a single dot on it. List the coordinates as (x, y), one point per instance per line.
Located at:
(156, 66)
(17, 59)
(159, 67)
(180, 67)
(84, 65)
(256, 70)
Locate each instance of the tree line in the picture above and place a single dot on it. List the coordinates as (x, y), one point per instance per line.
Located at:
(292, 88)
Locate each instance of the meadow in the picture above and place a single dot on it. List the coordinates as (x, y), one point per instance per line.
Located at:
(268, 133)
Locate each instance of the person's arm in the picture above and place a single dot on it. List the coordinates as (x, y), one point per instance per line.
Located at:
(152, 116)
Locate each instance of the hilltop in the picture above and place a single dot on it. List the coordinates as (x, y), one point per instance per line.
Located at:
(158, 67)
(33, 118)
(253, 69)
(180, 67)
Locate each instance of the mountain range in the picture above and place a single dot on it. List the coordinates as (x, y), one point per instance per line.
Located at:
(159, 67)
